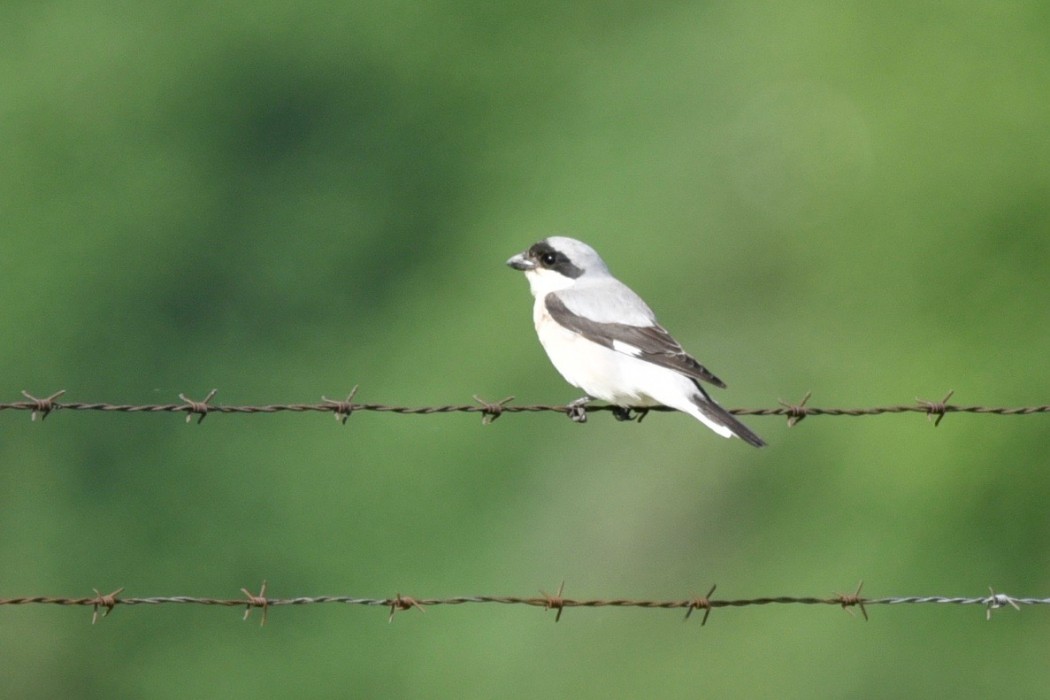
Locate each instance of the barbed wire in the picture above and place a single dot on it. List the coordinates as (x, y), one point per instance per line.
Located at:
(342, 409)
(103, 604)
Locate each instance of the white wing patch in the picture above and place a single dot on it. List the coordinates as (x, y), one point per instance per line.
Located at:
(626, 348)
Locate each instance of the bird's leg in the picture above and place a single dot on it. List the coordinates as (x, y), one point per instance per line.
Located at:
(577, 410)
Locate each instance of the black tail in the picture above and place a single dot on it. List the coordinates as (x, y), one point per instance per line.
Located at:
(719, 415)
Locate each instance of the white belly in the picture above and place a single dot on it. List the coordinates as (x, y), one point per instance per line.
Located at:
(609, 375)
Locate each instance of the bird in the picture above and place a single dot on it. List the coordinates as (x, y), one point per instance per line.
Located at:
(604, 339)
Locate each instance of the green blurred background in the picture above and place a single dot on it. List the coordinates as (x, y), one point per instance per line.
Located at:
(284, 200)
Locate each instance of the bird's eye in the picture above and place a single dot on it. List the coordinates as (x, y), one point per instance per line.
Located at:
(548, 258)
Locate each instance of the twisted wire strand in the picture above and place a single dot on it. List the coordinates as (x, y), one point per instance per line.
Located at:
(104, 604)
(343, 409)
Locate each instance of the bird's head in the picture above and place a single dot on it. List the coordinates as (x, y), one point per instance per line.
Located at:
(558, 263)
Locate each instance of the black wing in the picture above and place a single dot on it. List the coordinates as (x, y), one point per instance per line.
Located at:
(653, 343)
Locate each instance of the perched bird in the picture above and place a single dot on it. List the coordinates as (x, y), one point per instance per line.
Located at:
(605, 340)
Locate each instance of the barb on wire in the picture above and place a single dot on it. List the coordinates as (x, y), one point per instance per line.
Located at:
(104, 604)
(796, 412)
(490, 411)
(200, 408)
(998, 600)
(257, 601)
(853, 600)
(42, 406)
(403, 602)
(342, 409)
(555, 602)
(936, 408)
(701, 603)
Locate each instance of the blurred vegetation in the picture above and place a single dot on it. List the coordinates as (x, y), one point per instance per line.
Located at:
(284, 200)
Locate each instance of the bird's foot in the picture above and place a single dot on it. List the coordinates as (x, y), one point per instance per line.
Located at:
(577, 410)
(625, 413)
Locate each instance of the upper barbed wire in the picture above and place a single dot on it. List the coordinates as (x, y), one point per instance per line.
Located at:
(342, 409)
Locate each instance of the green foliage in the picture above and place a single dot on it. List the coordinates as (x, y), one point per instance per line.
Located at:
(283, 201)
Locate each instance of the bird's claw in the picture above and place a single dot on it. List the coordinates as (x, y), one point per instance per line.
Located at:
(624, 413)
(577, 410)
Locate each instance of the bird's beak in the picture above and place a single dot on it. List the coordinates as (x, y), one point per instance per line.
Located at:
(520, 262)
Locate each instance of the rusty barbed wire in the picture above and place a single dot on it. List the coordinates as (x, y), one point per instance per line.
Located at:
(491, 410)
(103, 605)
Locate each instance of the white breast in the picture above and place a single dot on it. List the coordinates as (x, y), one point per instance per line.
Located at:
(599, 371)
